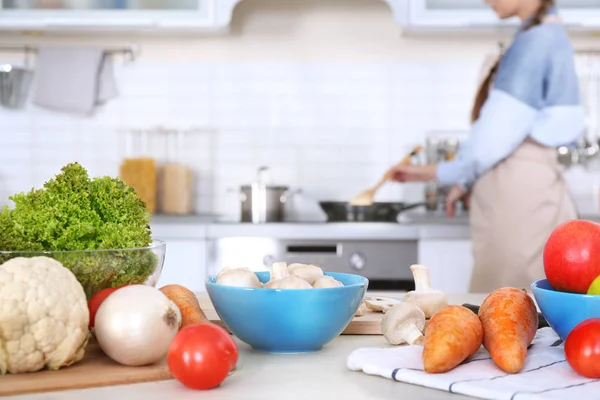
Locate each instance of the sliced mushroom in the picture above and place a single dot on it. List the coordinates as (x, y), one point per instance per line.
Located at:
(403, 323)
(362, 309)
(326, 281)
(427, 299)
(308, 272)
(241, 277)
(380, 304)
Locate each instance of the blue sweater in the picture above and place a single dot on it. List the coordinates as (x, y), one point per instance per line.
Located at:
(535, 94)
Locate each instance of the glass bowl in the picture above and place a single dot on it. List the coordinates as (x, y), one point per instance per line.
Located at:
(101, 269)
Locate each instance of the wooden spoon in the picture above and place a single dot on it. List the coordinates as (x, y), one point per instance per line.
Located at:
(365, 198)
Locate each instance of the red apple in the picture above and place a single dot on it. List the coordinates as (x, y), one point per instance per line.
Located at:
(572, 256)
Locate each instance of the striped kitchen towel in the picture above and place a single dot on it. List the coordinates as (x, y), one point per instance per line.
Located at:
(546, 374)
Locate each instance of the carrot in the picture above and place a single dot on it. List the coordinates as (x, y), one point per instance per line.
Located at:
(186, 300)
(453, 334)
(510, 320)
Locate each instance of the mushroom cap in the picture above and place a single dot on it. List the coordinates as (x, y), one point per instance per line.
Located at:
(429, 302)
(241, 277)
(308, 272)
(400, 320)
(326, 281)
(291, 282)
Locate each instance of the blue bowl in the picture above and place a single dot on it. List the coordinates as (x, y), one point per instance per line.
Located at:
(288, 320)
(563, 310)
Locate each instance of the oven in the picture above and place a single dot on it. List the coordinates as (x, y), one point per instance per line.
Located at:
(386, 263)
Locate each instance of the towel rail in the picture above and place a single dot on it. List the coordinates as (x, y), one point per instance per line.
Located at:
(129, 51)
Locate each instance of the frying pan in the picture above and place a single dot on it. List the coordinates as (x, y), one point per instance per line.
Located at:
(359, 210)
(343, 211)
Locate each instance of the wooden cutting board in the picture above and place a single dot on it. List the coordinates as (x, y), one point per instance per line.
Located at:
(367, 324)
(95, 370)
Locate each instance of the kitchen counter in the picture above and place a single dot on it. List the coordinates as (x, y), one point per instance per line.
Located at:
(410, 226)
(315, 376)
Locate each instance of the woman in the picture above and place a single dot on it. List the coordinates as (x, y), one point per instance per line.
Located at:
(526, 107)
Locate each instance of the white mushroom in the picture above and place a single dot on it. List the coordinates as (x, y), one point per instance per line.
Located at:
(380, 304)
(326, 281)
(403, 323)
(279, 271)
(427, 299)
(362, 309)
(291, 282)
(240, 277)
(308, 272)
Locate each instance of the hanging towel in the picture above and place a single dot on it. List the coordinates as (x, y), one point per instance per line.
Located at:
(546, 374)
(73, 79)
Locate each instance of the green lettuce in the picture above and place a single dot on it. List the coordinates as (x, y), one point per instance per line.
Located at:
(73, 213)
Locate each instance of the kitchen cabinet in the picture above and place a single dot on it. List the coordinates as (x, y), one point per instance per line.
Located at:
(476, 14)
(185, 264)
(117, 15)
(450, 264)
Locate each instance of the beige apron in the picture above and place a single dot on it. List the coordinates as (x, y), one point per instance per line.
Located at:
(514, 208)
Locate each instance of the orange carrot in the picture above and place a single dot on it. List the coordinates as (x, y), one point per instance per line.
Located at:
(510, 320)
(186, 300)
(453, 334)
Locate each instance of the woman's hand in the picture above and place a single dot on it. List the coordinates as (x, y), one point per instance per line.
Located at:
(455, 194)
(413, 173)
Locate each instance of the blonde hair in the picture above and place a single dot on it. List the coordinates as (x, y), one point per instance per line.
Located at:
(482, 92)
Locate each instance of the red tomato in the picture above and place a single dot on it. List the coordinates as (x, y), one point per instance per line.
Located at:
(582, 348)
(96, 300)
(201, 356)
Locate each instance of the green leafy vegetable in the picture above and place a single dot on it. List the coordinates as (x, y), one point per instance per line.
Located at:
(73, 215)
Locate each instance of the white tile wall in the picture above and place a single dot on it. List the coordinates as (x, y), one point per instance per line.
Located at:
(329, 129)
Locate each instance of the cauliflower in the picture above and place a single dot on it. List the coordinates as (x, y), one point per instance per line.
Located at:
(43, 316)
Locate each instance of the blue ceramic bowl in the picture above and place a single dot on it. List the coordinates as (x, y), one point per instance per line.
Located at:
(288, 320)
(563, 310)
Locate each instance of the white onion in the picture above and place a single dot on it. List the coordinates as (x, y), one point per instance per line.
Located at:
(135, 325)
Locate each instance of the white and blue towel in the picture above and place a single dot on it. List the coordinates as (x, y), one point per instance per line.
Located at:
(546, 374)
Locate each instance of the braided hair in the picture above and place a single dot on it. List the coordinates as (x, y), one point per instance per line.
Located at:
(482, 92)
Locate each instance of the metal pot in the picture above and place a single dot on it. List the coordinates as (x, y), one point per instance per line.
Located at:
(263, 203)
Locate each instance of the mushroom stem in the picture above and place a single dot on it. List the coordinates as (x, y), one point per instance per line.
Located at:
(279, 270)
(412, 334)
(421, 278)
(428, 299)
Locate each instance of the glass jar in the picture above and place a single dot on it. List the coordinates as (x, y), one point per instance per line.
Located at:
(138, 169)
(176, 189)
(432, 196)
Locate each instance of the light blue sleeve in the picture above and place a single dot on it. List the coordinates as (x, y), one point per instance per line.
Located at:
(503, 124)
(508, 115)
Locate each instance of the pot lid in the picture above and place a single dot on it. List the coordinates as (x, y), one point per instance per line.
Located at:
(272, 187)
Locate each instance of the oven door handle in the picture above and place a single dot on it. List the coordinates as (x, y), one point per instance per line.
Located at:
(336, 249)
